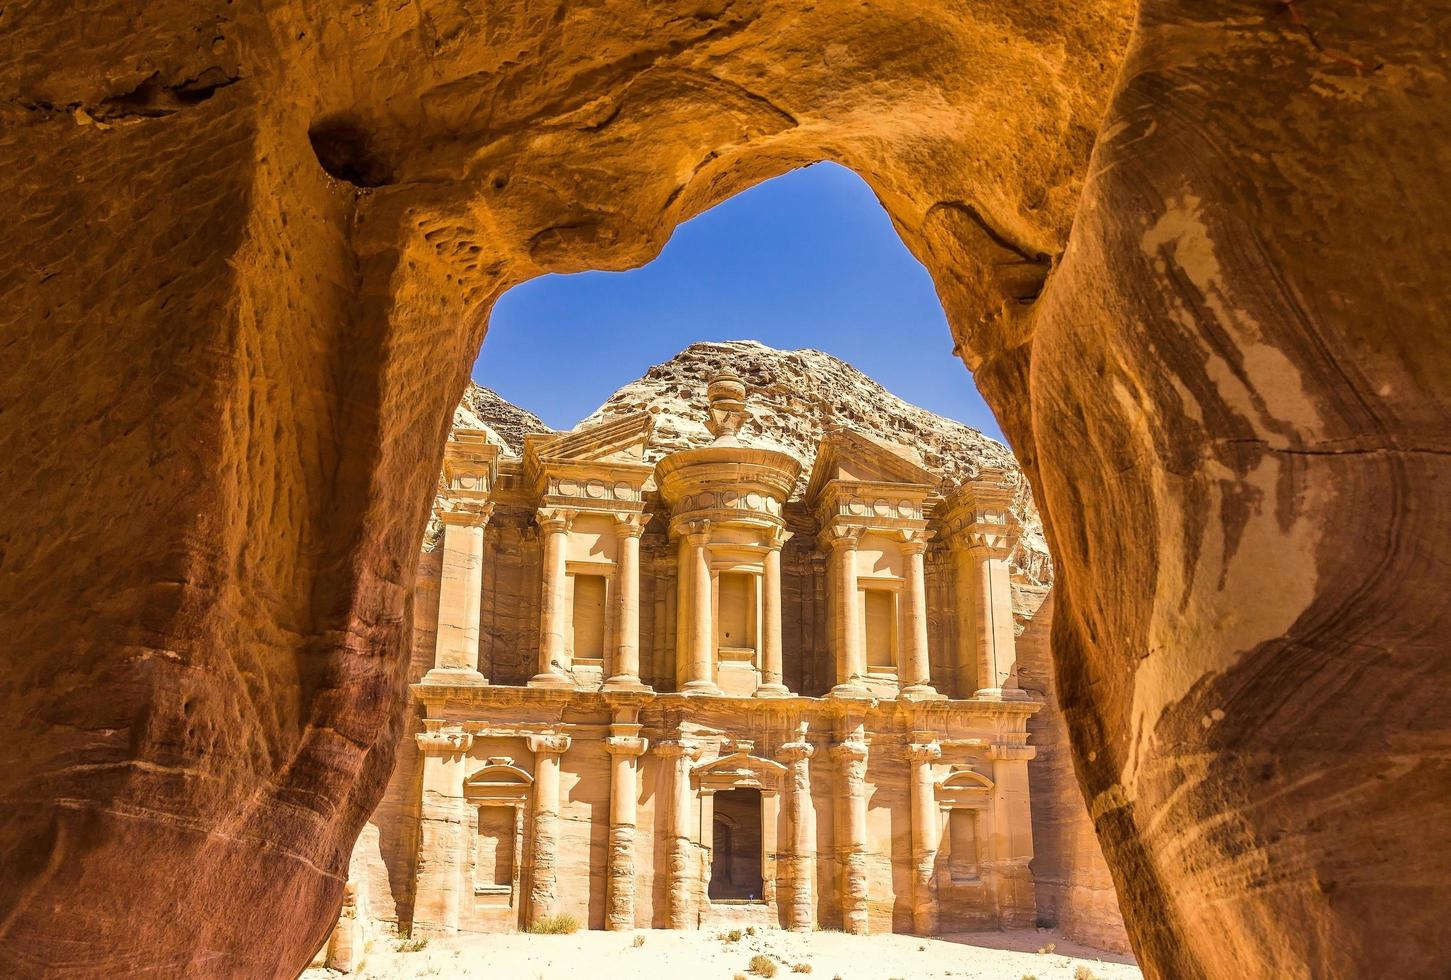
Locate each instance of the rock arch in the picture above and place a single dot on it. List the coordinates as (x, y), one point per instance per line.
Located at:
(251, 256)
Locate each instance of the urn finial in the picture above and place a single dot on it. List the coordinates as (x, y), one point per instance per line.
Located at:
(726, 393)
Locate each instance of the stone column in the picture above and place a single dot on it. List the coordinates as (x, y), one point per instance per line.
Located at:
(444, 830)
(926, 832)
(772, 682)
(626, 673)
(916, 676)
(680, 885)
(624, 746)
(699, 644)
(543, 895)
(553, 603)
(997, 658)
(801, 816)
(460, 596)
(851, 760)
(846, 626)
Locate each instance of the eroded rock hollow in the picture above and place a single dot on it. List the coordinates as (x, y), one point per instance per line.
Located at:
(1193, 260)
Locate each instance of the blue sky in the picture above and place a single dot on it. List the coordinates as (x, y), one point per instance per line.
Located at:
(809, 259)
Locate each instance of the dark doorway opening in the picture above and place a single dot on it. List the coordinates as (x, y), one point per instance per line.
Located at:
(735, 861)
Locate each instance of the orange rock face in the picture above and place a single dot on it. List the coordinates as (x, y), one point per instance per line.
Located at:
(248, 258)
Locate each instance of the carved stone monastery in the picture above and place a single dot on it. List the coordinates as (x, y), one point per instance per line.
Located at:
(681, 696)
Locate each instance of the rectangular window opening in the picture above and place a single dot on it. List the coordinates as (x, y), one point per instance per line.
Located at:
(962, 844)
(494, 850)
(879, 613)
(737, 627)
(589, 618)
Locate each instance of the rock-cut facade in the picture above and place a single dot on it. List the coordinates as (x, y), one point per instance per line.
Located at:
(686, 694)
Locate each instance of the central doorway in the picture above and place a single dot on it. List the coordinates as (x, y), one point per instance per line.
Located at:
(735, 861)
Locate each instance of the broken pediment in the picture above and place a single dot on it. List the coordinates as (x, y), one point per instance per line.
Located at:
(622, 439)
(856, 458)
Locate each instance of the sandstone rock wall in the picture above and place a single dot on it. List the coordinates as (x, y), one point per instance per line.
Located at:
(240, 309)
(1074, 887)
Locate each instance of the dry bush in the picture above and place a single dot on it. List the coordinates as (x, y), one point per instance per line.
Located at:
(801, 968)
(762, 966)
(1084, 973)
(639, 941)
(412, 945)
(555, 925)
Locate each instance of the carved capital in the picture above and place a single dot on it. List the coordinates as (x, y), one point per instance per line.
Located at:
(453, 741)
(552, 743)
(676, 748)
(626, 745)
(465, 513)
(795, 752)
(697, 531)
(630, 525)
(914, 542)
(554, 520)
(776, 537)
(849, 751)
(839, 537)
(924, 752)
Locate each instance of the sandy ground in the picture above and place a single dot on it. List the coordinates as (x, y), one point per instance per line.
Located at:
(667, 955)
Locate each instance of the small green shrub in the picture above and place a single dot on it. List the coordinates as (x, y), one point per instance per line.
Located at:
(762, 966)
(555, 925)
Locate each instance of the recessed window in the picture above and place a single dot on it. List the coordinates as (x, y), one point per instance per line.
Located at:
(879, 612)
(737, 629)
(589, 618)
(494, 850)
(962, 844)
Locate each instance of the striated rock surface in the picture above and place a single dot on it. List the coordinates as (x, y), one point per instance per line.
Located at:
(1193, 255)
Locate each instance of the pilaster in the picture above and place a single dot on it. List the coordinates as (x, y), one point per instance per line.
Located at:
(444, 833)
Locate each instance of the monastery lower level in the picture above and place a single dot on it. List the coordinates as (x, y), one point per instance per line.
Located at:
(684, 695)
